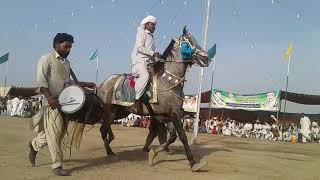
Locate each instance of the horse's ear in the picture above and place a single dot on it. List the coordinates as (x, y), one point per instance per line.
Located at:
(185, 30)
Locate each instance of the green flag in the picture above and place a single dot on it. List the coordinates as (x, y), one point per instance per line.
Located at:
(212, 51)
(94, 55)
(4, 58)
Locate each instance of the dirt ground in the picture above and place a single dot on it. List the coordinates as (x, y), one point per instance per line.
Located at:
(228, 157)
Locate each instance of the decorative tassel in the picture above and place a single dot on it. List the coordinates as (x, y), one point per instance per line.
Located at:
(132, 83)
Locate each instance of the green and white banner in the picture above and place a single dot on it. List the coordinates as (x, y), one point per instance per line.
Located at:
(269, 101)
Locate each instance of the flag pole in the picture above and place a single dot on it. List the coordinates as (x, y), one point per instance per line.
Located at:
(5, 78)
(196, 122)
(285, 97)
(97, 71)
(214, 63)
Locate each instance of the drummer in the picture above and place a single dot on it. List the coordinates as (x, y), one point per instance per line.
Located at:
(53, 74)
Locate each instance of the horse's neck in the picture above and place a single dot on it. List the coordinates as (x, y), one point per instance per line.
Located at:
(176, 68)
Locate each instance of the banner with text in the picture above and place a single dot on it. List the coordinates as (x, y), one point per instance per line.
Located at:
(265, 101)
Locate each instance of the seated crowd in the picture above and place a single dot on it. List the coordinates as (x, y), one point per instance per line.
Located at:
(13, 106)
(264, 131)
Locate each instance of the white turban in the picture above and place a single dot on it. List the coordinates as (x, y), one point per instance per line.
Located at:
(146, 20)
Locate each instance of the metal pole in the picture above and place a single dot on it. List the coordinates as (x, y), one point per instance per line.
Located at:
(97, 70)
(196, 122)
(279, 110)
(5, 79)
(285, 97)
(214, 62)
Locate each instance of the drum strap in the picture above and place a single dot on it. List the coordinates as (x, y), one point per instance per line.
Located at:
(74, 77)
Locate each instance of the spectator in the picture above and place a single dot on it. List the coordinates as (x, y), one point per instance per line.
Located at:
(305, 128)
(315, 132)
(226, 131)
(202, 127)
(137, 122)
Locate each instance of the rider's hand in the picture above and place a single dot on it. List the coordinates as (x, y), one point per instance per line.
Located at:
(156, 55)
(53, 103)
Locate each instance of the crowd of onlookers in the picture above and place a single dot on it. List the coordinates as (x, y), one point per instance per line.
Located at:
(21, 107)
(134, 121)
(305, 131)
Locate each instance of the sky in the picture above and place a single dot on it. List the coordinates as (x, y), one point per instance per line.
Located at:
(251, 37)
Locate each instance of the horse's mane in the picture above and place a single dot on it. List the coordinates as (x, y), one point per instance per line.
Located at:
(158, 66)
(168, 51)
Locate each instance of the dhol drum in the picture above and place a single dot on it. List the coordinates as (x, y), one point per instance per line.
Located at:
(81, 105)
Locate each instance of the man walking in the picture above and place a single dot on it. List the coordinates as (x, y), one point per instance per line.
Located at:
(53, 74)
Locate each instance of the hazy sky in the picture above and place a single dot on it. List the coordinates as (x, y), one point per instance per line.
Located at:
(251, 37)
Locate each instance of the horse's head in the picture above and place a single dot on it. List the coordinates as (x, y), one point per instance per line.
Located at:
(191, 50)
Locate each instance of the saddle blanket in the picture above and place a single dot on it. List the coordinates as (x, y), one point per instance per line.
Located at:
(124, 93)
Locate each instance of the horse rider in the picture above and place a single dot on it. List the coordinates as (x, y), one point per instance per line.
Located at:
(143, 51)
(53, 74)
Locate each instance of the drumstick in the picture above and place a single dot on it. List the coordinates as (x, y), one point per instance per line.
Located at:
(66, 104)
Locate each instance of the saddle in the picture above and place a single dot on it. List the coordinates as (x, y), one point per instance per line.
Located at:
(124, 93)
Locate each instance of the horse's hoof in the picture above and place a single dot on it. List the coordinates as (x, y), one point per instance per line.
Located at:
(151, 156)
(113, 158)
(145, 149)
(112, 154)
(196, 167)
(170, 152)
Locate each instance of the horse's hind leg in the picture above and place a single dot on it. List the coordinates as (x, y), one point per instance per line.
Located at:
(107, 136)
(110, 138)
(156, 129)
(182, 136)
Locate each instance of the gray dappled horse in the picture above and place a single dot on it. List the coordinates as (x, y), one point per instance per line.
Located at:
(171, 76)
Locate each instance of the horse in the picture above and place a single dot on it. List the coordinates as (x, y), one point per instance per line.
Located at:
(171, 76)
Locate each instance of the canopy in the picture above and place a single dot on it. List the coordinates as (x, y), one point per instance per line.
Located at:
(25, 92)
(299, 98)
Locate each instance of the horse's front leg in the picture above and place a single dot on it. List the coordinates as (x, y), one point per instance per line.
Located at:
(151, 135)
(173, 135)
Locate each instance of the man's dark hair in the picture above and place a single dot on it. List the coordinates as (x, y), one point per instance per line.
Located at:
(62, 37)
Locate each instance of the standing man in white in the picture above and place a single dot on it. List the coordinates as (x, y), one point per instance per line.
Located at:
(143, 51)
(305, 126)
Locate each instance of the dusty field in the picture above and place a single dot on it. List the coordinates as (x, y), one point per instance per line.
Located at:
(228, 158)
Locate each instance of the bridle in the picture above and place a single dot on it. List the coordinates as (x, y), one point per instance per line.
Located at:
(195, 53)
